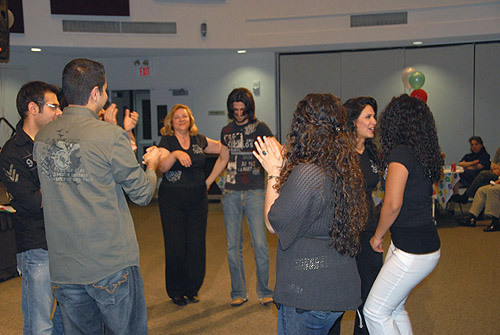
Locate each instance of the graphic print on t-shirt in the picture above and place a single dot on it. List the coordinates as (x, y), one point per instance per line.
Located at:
(62, 162)
(241, 162)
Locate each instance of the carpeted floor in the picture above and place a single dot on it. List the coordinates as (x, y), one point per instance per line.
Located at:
(460, 297)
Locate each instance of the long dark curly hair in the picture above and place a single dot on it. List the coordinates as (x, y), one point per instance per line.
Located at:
(409, 121)
(318, 135)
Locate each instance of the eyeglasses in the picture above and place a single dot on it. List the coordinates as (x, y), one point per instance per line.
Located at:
(53, 106)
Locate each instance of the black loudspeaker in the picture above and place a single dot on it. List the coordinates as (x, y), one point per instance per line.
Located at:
(8, 262)
(4, 32)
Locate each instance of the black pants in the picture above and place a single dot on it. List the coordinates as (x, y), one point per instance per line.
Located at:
(483, 178)
(369, 264)
(184, 220)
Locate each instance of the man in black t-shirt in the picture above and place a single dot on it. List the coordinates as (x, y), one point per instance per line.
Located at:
(244, 193)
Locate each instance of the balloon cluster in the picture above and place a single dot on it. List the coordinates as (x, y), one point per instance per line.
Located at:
(414, 79)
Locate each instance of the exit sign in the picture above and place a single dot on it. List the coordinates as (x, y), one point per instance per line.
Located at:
(144, 71)
(143, 67)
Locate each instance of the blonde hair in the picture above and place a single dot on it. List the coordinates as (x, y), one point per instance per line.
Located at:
(167, 128)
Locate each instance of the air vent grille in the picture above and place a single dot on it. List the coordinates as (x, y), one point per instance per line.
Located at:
(115, 27)
(91, 26)
(382, 19)
(149, 27)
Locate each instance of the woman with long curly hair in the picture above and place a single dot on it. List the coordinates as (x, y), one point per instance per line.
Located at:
(412, 157)
(182, 199)
(361, 120)
(316, 205)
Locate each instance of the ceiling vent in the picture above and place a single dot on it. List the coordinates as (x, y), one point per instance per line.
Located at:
(149, 27)
(90, 26)
(115, 27)
(382, 19)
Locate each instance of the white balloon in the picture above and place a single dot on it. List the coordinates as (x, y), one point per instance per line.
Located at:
(405, 76)
(11, 18)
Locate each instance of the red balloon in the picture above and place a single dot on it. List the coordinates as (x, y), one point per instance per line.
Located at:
(421, 94)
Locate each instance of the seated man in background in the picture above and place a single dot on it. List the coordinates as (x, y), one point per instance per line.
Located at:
(487, 198)
(483, 178)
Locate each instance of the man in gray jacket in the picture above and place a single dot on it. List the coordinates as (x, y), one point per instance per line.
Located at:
(86, 166)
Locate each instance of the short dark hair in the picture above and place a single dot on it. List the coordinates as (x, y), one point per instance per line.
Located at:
(62, 99)
(33, 91)
(80, 76)
(241, 95)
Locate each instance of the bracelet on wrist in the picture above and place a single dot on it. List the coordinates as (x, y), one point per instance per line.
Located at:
(271, 177)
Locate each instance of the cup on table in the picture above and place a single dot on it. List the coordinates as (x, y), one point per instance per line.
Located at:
(453, 167)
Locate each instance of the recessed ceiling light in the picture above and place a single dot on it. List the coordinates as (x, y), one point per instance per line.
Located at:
(241, 51)
(36, 49)
(418, 43)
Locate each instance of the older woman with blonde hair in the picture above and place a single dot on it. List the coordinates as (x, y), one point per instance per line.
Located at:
(183, 203)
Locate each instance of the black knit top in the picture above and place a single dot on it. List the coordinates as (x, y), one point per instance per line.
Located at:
(310, 273)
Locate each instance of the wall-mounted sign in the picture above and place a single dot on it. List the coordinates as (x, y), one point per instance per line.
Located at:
(143, 67)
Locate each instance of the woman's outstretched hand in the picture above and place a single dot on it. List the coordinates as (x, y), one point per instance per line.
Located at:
(268, 153)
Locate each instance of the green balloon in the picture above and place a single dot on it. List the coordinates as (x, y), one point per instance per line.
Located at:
(417, 80)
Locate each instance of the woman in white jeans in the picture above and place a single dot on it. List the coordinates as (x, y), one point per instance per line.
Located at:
(411, 154)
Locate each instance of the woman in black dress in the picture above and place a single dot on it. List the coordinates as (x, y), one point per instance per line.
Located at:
(183, 203)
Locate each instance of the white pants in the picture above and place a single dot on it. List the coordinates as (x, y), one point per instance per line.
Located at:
(384, 309)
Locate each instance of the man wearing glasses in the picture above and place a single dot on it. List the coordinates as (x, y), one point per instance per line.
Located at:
(37, 105)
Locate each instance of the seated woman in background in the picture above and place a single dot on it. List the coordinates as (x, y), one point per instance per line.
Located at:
(473, 163)
(411, 154)
(315, 203)
(183, 203)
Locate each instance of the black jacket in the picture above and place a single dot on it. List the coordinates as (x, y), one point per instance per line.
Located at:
(19, 174)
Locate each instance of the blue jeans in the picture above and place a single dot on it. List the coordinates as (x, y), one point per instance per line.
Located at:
(36, 297)
(294, 321)
(250, 203)
(114, 305)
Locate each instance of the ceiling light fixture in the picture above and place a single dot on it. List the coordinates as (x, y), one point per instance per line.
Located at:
(241, 51)
(418, 43)
(36, 49)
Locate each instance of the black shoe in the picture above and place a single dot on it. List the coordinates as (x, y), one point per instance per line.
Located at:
(469, 221)
(193, 299)
(179, 301)
(494, 226)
